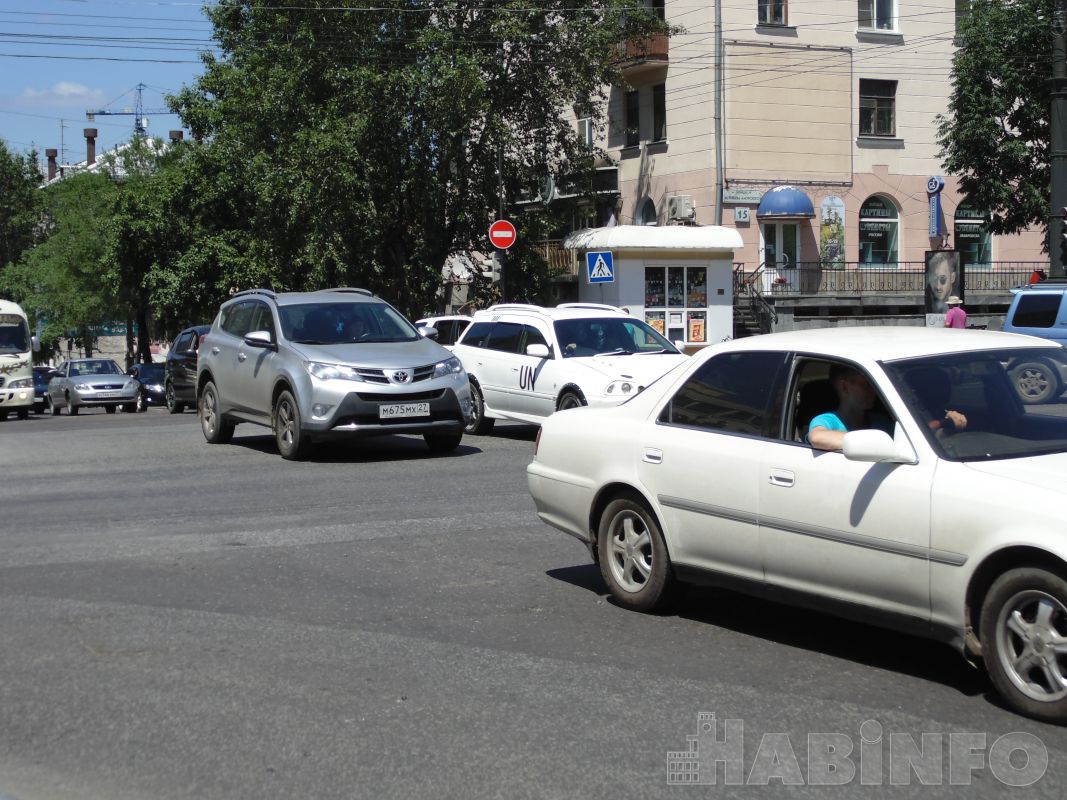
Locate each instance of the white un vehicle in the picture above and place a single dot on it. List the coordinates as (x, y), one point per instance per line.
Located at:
(526, 361)
(16, 370)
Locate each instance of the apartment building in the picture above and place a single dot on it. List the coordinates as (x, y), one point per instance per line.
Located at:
(829, 154)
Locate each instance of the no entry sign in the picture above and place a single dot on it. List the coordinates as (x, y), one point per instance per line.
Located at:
(502, 234)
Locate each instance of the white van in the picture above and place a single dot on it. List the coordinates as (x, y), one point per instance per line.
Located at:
(16, 368)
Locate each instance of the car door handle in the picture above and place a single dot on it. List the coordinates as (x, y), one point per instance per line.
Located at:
(782, 477)
(652, 455)
(214, 351)
(241, 356)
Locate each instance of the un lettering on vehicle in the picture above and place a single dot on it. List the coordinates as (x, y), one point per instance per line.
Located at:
(527, 378)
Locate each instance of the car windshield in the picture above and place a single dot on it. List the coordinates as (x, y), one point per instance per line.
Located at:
(1011, 401)
(150, 373)
(97, 366)
(342, 323)
(581, 338)
(14, 334)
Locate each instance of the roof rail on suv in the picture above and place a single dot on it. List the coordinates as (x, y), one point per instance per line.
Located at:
(351, 290)
(268, 292)
(591, 306)
(514, 307)
(1044, 284)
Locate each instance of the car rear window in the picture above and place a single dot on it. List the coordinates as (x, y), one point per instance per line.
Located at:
(1036, 311)
(476, 334)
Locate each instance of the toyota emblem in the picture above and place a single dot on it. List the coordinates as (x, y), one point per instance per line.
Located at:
(401, 376)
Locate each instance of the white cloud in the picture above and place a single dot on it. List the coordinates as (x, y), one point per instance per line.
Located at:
(64, 93)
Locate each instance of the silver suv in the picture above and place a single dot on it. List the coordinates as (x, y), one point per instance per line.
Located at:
(313, 365)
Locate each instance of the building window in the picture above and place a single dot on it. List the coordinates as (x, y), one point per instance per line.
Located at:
(659, 112)
(772, 12)
(972, 238)
(878, 233)
(632, 119)
(876, 14)
(658, 9)
(646, 212)
(878, 108)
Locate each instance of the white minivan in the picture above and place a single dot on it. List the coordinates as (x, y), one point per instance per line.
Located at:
(16, 361)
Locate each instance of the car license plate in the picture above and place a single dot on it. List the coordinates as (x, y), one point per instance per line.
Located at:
(109, 394)
(394, 410)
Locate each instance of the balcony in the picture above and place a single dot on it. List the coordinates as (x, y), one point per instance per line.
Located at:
(644, 58)
(562, 264)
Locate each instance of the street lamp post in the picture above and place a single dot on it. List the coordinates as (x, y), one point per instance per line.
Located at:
(1058, 156)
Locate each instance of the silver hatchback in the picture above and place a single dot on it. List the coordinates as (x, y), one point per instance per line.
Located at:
(316, 365)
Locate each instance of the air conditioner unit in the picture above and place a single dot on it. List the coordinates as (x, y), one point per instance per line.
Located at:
(680, 207)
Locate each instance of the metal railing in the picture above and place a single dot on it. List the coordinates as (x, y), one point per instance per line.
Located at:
(905, 277)
(747, 289)
(561, 263)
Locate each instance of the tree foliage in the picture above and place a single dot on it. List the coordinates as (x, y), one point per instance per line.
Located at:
(19, 203)
(996, 135)
(360, 145)
(60, 280)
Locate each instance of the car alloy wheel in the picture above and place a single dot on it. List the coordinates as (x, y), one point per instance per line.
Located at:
(216, 429)
(569, 400)
(1035, 382)
(292, 442)
(173, 406)
(53, 409)
(633, 556)
(142, 404)
(71, 408)
(478, 425)
(1024, 641)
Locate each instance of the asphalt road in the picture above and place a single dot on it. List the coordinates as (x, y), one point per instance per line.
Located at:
(180, 620)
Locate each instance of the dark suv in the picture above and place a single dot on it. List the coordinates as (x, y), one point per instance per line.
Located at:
(179, 383)
(340, 362)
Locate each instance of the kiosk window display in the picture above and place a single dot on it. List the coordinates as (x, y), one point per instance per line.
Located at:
(676, 302)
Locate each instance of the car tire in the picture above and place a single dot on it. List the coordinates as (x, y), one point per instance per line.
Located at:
(3, 416)
(53, 409)
(293, 443)
(173, 406)
(1024, 615)
(71, 408)
(570, 400)
(633, 557)
(443, 442)
(111, 409)
(1036, 382)
(141, 405)
(22, 413)
(130, 408)
(216, 429)
(479, 425)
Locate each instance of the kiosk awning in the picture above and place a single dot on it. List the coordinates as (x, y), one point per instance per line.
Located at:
(785, 201)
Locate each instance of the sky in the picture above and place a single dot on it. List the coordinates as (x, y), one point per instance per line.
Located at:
(59, 58)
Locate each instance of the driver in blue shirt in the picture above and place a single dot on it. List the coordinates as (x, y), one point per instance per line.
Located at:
(855, 400)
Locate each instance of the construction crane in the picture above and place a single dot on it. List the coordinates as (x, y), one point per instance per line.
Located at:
(138, 112)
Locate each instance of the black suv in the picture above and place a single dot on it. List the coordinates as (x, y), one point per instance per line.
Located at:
(179, 381)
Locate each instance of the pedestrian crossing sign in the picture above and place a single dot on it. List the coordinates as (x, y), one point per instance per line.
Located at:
(600, 267)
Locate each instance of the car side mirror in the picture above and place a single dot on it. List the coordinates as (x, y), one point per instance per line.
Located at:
(260, 339)
(875, 446)
(538, 351)
(428, 332)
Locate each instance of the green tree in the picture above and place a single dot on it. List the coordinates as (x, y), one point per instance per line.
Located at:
(996, 134)
(360, 146)
(19, 203)
(61, 278)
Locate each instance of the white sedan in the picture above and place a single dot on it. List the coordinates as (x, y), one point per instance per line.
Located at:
(945, 519)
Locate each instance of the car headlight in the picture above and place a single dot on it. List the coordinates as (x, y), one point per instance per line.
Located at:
(82, 387)
(156, 387)
(451, 366)
(22, 383)
(622, 388)
(332, 372)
